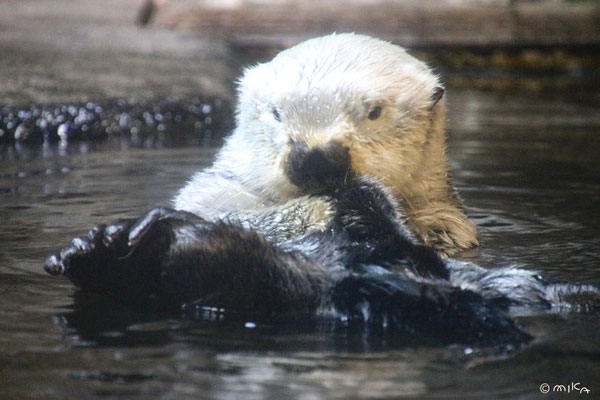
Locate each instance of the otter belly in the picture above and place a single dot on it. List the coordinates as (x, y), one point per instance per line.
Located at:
(287, 221)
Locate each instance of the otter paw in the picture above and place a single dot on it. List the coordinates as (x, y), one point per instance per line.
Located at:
(57, 264)
(124, 259)
(85, 259)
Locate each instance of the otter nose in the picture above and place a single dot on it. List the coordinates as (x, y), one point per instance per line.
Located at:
(317, 167)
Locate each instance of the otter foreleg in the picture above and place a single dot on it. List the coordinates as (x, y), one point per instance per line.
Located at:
(401, 286)
(366, 213)
(170, 257)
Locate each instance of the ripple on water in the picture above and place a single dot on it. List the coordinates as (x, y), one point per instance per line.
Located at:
(55, 342)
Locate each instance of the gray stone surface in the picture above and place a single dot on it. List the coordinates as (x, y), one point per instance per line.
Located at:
(56, 51)
(408, 22)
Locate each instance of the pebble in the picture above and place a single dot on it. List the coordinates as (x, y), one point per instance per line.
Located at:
(118, 117)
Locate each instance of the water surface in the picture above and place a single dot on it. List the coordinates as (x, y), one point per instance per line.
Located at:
(526, 165)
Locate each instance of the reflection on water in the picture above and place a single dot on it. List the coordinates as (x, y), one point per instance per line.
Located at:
(529, 170)
(525, 164)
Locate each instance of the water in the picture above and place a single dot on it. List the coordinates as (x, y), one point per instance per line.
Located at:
(526, 165)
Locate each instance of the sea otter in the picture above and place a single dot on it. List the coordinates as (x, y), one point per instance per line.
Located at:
(361, 94)
(332, 197)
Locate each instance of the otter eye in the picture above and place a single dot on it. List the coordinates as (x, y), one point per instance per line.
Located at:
(276, 115)
(375, 113)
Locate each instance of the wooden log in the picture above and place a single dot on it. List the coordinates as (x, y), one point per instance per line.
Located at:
(412, 23)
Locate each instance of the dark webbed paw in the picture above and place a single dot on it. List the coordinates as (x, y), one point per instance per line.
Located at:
(100, 241)
(88, 261)
(123, 258)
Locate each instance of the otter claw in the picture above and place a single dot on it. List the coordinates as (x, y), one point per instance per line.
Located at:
(81, 245)
(111, 234)
(54, 266)
(95, 232)
(68, 252)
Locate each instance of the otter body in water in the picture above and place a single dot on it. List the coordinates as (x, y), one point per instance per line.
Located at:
(331, 197)
(355, 92)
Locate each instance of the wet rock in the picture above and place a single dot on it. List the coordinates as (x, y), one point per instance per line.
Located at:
(98, 120)
(22, 132)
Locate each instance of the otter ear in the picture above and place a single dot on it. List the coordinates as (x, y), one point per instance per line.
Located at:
(436, 96)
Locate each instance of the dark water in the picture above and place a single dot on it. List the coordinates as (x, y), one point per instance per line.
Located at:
(526, 164)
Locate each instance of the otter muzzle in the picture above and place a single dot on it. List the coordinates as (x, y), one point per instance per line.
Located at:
(318, 168)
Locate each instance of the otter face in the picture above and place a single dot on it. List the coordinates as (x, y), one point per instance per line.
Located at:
(339, 104)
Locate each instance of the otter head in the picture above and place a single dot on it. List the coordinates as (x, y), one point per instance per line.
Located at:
(344, 104)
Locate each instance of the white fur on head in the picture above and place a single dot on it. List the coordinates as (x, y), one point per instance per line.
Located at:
(361, 67)
(323, 89)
